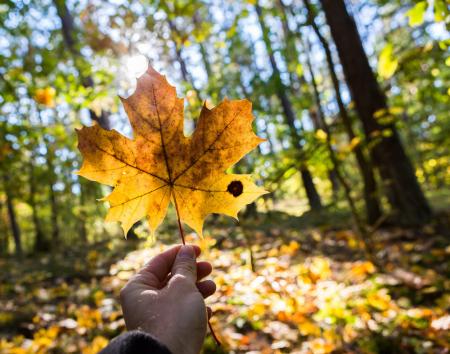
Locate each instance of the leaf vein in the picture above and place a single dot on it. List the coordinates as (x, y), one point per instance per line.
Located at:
(209, 147)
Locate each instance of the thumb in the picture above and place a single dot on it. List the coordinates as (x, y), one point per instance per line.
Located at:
(185, 263)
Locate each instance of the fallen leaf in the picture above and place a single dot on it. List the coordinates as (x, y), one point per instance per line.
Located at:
(45, 96)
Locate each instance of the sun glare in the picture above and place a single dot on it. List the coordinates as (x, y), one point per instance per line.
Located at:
(136, 65)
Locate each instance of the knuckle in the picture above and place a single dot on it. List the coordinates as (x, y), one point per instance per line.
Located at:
(180, 281)
(184, 267)
(123, 293)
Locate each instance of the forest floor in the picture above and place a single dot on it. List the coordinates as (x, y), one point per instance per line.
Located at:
(285, 285)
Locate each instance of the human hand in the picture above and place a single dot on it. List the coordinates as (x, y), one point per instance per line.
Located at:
(166, 299)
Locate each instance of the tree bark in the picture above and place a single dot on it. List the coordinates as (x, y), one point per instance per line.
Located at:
(373, 208)
(290, 118)
(403, 190)
(15, 229)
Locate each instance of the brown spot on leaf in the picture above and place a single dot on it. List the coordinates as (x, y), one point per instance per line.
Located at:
(235, 188)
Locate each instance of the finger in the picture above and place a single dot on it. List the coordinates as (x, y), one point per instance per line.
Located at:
(206, 288)
(155, 272)
(165, 281)
(203, 269)
(197, 250)
(185, 264)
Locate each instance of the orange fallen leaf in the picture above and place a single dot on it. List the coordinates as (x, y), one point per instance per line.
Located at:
(45, 96)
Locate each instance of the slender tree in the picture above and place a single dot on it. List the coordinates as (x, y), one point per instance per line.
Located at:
(69, 32)
(40, 243)
(70, 39)
(373, 208)
(178, 37)
(3, 229)
(403, 190)
(53, 200)
(289, 115)
(82, 217)
(337, 168)
(187, 77)
(298, 81)
(15, 229)
(49, 161)
(206, 60)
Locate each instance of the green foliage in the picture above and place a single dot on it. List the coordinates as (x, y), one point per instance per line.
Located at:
(416, 14)
(387, 63)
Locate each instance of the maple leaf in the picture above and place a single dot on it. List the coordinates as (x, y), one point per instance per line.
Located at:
(161, 165)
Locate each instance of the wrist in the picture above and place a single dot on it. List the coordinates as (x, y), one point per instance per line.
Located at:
(176, 345)
(180, 344)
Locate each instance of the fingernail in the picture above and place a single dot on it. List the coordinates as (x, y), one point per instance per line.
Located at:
(186, 251)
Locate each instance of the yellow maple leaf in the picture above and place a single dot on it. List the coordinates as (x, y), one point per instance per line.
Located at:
(160, 165)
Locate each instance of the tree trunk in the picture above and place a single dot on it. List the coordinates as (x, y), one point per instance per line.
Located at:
(290, 118)
(315, 119)
(83, 215)
(197, 22)
(40, 243)
(373, 208)
(53, 200)
(290, 49)
(15, 229)
(337, 167)
(68, 31)
(206, 62)
(3, 231)
(52, 180)
(251, 211)
(332, 176)
(319, 122)
(183, 67)
(388, 154)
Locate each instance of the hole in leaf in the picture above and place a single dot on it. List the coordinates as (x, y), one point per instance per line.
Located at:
(235, 188)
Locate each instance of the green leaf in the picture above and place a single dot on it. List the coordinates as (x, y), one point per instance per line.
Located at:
(417, 13)
(440, 10)
(447, 61)
(387, 64)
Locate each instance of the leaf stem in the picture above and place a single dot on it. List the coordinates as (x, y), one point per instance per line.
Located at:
(213, 334)
(180, 227)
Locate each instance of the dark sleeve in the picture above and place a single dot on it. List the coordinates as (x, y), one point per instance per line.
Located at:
(135, 342)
